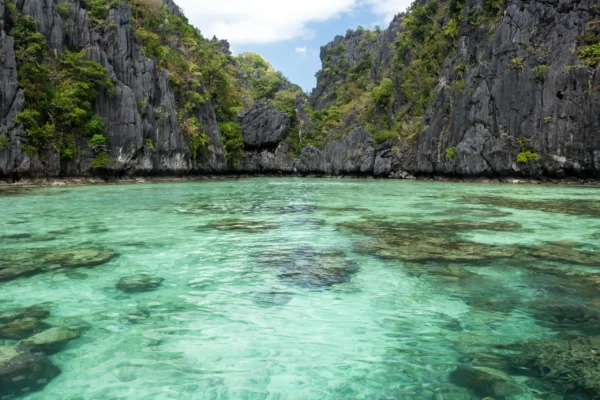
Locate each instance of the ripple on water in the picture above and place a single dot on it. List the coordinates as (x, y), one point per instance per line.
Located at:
(288, 288)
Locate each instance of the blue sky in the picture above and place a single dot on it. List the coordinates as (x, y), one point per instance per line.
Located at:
(288, 34)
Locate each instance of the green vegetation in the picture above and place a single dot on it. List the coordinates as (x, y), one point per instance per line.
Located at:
(98, 10)
(526, 156)
(383, 136)
(263, 81)
(233, 141)
(382, 94)
(547, 120)
(4, 142)
(517, 64)
(198, 143)
(590, 55)
(527, 153)
(541, 72)
(59, 92)
(102, 160)
(451, 153)
(148, 143)
(98, 142)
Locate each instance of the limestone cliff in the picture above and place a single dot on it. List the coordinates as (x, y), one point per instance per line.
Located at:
(462, 88)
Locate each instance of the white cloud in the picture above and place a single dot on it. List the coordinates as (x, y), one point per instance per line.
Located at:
(267, 21)
(388, 8)
(301, 50)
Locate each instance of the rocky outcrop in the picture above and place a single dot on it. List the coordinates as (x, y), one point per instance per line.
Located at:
(514, 85)
(509, 87)
(263, 126)
(340, 57)
(523, 87)
(141, 111)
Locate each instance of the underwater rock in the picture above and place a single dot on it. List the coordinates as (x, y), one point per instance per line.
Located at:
(429, 241)
(135, 316)
(139, 283)
(272, 299)
(50, 340)
(37, 312)
(311, 268)
(571, 365)
(572, 317)
(566, 253)
(16, 236)
(22, 371)
(485, 382)
(22, 328)
(72, 323)
(590, 208)
(78, 257)
(236, 224)
(476, 212)
(454, 225)
(8, 273)
(32, 262)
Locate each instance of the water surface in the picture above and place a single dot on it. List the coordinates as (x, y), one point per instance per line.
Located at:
(281, 289)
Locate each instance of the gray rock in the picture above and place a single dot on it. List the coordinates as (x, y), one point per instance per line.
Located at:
(353, 155)
(51, 339)
(485, 382)
(38, 312)
(22, 328)
(263, 126)
(500, 105)
(139, 283)
(22, 371)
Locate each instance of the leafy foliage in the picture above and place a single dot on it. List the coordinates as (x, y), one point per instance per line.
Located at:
(384, 135)
(590, 55)
(541, 72)
(4, 142)
(525, 156)
(148, 143)
(102, 160)
(260, 77)
(59, 92)
(451, 153)
(233, 141)
(527, 153)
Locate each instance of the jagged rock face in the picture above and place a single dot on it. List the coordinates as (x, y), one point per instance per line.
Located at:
(558, 116)
(485, 123)
(141, 110)
(263, 126)
(344, 52)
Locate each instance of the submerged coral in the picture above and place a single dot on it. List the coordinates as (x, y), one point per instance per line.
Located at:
(22, 371)
(312, 268)
(590, 208)
(571, 366)
(15, 264)
(429, 241)
(139, 283)
(238, 224)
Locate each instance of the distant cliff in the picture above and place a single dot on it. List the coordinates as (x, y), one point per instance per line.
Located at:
(461, 88)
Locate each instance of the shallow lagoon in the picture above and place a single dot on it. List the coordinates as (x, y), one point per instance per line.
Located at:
(310, 289)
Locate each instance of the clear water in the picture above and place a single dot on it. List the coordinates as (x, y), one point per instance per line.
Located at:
(228, 324)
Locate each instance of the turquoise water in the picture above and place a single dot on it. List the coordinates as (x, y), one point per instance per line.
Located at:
(286, 302)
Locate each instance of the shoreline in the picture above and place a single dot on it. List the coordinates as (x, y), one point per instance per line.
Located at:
(95, 180)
